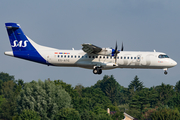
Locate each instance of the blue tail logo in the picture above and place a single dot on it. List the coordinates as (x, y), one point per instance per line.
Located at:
(19, 44)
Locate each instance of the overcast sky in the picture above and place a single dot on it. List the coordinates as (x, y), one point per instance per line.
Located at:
(142, 25)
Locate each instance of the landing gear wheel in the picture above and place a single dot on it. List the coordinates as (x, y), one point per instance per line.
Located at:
(165, 72)
(97, 70)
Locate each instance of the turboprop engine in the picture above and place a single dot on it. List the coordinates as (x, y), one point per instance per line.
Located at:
(92, 49)
(106, 51)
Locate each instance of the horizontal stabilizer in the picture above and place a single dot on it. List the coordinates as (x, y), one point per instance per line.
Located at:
(9, 53)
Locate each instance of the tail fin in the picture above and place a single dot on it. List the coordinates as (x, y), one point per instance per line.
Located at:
(22, 46)
(18, 40)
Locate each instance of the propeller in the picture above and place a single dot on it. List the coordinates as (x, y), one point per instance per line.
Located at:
(116, 51)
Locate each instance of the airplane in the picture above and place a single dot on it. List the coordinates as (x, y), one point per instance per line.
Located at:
(90, 57)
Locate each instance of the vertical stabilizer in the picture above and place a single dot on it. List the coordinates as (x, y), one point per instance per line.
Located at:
(18, 40)
(22, 46)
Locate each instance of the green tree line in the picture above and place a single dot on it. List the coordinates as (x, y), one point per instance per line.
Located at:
(54, 100)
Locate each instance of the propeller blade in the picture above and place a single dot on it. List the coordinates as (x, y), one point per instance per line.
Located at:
(116, 47)
(115, 59)
(116, 52)
(122, 48)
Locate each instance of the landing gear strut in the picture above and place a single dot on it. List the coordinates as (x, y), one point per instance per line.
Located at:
(97, 70)
(165, 71)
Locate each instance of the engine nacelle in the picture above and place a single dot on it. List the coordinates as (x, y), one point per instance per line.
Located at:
(106, 51)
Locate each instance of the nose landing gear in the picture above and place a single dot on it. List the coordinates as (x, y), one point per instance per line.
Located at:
(165, 71)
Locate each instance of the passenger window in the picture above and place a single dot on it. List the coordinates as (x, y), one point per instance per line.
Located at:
(124, 57)
(64, 56)
(107, 57)
(89, 56)
(61, 56)
(117, 57)
(92, 56)
(131, 57)
(134, 57)
(110, 57)
(71, 56)
(104, 57)
(100, 57)
(78, 56)
(127, 57)
(68, 56)
(82, 56)
(96, 56)
(75, 56)
(121, 57)
(58, 55)
(138, 57)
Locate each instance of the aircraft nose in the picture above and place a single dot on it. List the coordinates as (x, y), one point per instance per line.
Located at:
(174, 63)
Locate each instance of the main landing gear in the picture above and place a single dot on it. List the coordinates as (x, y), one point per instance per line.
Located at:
(97, 70)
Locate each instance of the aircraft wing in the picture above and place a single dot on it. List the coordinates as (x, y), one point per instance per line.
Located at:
(91, 49)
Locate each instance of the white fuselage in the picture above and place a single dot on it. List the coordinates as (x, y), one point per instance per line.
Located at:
(125, 59)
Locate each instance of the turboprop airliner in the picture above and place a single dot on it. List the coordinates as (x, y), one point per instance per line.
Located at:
(90, 57)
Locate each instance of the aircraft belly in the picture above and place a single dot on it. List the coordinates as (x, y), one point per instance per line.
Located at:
(84, 64)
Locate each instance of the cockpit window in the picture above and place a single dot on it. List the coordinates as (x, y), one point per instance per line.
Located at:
(163, 56)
